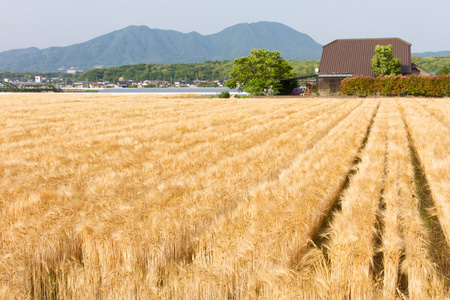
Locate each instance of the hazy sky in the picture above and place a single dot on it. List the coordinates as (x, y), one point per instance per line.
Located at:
(46, 23)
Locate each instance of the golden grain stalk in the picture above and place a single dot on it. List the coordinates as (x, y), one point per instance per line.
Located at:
(141, 196)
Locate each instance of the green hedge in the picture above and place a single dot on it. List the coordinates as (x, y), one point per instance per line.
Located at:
(436, 86)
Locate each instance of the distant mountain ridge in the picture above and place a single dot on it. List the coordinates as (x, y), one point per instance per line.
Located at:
(141, 44)
(432, 54)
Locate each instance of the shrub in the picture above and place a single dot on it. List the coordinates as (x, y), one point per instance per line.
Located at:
(224, 94)
(436, 86)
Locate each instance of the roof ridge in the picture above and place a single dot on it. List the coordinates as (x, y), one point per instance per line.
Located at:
(367, 39)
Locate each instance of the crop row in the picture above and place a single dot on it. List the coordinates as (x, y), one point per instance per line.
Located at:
(431, 143)
(379, 240)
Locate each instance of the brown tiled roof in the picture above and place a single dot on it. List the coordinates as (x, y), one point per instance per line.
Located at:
(354, 55)
(416, 70)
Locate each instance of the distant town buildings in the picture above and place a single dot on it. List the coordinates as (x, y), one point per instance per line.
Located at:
(146, 84)
(69, 84)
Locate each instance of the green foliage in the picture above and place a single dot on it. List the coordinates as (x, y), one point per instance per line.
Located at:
(224, 94)
(444, 71)
(304, 67)
(384, 63)
(209, 70)
(259, 73)
(432, 64)
(436, 86)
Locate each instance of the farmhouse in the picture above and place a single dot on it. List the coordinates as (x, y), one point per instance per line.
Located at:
(349, 57)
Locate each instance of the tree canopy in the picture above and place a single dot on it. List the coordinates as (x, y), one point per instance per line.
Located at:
(444, 71)
(209, 70)
(432, 64)
(260, 72)
(384, 63)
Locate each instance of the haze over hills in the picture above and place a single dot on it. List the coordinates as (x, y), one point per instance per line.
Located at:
(432, 54)
(140, 44)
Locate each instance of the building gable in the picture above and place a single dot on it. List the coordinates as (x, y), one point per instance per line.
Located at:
(354, 56)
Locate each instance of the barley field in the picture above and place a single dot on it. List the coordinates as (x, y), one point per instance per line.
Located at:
(158, 197)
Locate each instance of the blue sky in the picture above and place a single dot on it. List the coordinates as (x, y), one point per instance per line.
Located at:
(46, 23)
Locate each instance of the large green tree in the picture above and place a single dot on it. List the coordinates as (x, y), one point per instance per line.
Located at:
(384, 63)
(260, 72)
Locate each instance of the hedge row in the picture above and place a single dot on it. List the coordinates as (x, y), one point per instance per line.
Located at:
(436, 86)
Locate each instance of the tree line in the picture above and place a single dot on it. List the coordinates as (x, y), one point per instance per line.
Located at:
(220, 70)
(209, 70)
(437, 65)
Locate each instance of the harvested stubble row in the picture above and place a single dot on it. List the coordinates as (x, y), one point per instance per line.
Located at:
(143, 197)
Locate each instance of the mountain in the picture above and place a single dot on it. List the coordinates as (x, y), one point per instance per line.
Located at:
(432, 54)
(140, 44)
